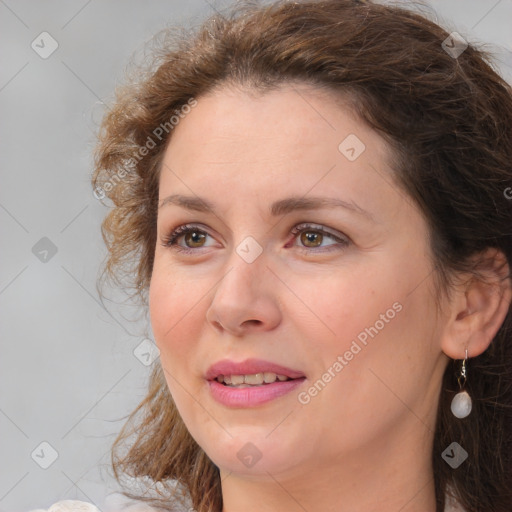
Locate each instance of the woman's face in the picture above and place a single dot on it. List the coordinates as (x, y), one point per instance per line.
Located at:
(312, 262)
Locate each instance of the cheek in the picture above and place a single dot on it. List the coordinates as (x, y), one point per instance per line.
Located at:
(174, 307)
(369, 317)
(339, 305)
(384, 335)
(162, 306)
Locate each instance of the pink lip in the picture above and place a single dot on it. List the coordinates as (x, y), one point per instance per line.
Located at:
(249, 367)
(251, 396)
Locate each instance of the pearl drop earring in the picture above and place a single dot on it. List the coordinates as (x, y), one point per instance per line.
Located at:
(461, 403)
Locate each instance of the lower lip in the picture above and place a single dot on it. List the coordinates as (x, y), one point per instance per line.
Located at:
(250, 397)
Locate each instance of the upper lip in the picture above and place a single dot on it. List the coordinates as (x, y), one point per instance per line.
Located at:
(249, 367)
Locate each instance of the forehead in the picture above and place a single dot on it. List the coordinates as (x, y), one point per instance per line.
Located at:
(289, 118)
(296, 138)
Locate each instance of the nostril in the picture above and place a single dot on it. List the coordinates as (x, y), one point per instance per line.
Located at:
(253, 322)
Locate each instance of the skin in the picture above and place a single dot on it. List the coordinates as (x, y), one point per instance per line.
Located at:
(364, 442)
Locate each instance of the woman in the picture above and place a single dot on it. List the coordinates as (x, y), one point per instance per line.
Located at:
(311, 198)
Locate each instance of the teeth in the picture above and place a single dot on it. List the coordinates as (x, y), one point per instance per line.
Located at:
(256, 379)
(237, 379)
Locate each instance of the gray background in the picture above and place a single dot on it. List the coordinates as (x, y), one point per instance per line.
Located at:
(69, 368)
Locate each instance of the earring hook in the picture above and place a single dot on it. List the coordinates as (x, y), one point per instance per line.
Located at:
(461, 379)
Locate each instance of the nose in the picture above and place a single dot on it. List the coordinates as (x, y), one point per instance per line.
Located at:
(245, 299)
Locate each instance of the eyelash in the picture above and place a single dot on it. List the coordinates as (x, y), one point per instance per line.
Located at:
(170, 240)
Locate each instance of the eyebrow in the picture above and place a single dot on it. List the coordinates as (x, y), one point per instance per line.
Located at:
(281, 207)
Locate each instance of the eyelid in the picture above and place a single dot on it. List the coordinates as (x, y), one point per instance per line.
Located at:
(304, 226)
(181, 230)
(337, 236)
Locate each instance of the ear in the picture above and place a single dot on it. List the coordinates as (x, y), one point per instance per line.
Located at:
(477, 308)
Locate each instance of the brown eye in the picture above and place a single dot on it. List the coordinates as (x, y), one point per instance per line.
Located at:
(311, 238)
(318, 239)
(194, 239)
(186, 238)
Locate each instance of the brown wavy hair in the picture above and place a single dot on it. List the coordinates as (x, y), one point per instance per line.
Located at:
(449, 123)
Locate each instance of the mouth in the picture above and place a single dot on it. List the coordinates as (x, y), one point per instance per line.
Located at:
(251, 382)
(251, 372)
(255, 379)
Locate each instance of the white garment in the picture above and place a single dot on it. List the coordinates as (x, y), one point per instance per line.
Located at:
(69, 506)
(115, 502)
(119, 503)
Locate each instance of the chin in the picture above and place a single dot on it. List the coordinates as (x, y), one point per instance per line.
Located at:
(252, 452)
